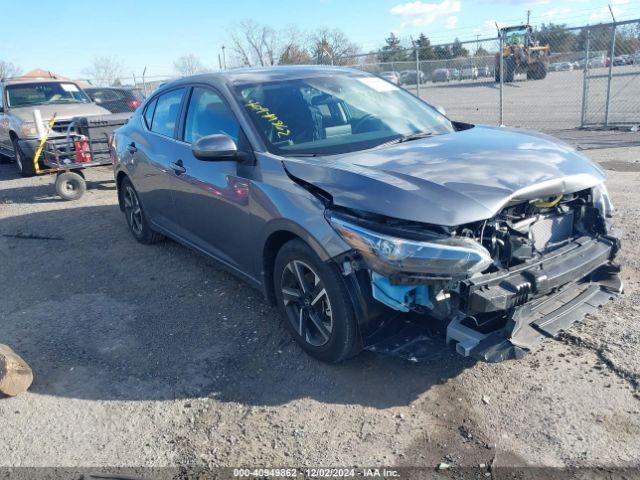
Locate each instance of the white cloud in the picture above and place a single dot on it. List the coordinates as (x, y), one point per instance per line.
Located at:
(604, 15)
(619, 2)
(418, 14)
(556, 12)
(451, 23)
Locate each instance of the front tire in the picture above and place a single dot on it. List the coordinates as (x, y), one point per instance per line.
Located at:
(136, 219)
(314, 302)
(25, 166)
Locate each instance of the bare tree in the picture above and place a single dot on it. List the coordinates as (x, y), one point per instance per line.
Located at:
(8, 69)
(293, 47)
(188, 65)
(254, 44)
(104, 70)
(331, 46)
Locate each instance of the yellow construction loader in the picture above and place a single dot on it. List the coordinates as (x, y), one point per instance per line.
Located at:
(522, 54)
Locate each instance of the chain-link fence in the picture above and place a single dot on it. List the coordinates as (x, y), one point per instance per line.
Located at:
(547, 78)
(554, 78)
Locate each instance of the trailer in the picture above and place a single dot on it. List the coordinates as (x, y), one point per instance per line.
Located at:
(84, 143)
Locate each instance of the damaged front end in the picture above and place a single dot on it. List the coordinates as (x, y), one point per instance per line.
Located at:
(497, 286)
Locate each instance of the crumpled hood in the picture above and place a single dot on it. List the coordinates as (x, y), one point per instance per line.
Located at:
(451, 179)
(62, 111)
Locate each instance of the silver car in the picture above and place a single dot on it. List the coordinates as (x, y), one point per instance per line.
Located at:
(367, 217)
(19, 136)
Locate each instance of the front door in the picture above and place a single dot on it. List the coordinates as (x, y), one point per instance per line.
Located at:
(212, 197)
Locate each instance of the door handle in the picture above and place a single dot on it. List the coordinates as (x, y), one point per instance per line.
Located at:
(132, 147)
(178, 167)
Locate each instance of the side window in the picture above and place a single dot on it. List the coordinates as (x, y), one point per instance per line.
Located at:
(207, 115)
(148, 113)
(166, 112)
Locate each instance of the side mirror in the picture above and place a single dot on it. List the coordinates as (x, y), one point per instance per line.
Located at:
(215, 147)
(440, 109)
(97, 101)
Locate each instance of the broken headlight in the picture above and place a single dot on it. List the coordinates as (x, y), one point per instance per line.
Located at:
(439, 257)
(602, 201)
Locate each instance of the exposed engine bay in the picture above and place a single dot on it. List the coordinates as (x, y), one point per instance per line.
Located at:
(525, 274)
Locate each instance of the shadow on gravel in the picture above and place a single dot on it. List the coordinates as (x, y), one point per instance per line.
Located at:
(46, 193)
(100, 317)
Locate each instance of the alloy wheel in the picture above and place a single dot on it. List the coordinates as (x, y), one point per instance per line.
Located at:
(307, 303)
(132, 210)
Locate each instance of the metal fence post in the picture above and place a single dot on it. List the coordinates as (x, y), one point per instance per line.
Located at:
(585, 82)
(611, 55)
(417, 71)
(501, 81)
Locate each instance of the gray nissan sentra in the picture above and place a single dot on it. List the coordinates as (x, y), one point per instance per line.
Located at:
(368, 217)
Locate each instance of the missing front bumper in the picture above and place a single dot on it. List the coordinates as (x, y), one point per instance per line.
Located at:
(505, 314)
(529, 324)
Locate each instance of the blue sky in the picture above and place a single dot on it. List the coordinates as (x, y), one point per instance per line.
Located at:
(65, 36)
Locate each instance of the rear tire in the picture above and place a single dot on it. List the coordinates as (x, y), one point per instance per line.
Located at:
(314, 303)
(70, 185)
(135, 215)
(25, 165)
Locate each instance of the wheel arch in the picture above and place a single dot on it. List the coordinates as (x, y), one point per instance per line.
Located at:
(276, 235)
(120, 176)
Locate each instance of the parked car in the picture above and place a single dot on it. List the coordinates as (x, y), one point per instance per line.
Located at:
(455, 73)
(116, 99)
(409, 77)
(350, 202)
(393, 77)
(470, 72)
(440, 75)
(485, 71)
(561, 66)
(19, 98)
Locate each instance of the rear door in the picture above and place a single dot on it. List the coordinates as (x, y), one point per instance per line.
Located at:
(212, 197)
(153, 148)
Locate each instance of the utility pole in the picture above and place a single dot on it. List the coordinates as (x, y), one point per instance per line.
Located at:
(528, 16)
(224, 58)
(477, 43)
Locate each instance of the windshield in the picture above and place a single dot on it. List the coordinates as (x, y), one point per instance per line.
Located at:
(44, 93)
(336, 114)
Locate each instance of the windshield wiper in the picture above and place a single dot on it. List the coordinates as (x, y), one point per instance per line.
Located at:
(406, 138)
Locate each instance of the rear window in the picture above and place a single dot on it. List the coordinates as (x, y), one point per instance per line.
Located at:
(149, 111)
(166, 112)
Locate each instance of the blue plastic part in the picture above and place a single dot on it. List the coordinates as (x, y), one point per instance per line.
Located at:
(399, 297)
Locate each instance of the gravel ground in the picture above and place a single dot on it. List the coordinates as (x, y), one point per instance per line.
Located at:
(153, 356)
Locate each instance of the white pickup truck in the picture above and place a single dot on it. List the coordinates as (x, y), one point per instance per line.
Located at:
(19, 98)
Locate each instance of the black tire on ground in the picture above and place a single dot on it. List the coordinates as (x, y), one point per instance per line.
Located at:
(135, 215)
(319, 315)
(537, 71)
(70, 185)
(25, 165)
(509, 69)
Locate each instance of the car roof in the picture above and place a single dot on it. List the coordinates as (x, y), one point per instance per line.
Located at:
(17, 81)
(266, 74)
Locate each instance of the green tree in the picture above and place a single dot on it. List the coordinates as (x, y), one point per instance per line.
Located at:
(557, 37)
(458, 50)
(392, 51)
(442, 52)
(424, 48)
